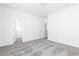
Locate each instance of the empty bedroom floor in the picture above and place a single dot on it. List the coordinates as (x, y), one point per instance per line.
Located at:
(41, 47)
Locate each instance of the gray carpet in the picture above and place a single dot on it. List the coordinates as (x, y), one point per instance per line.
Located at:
(33, 48)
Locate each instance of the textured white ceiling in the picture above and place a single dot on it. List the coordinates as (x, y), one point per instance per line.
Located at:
(39, 9)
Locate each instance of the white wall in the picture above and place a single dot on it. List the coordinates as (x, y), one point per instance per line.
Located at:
(63, 27)
(43, 28)
(16, 24)
(6, 26)
(31, 28)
